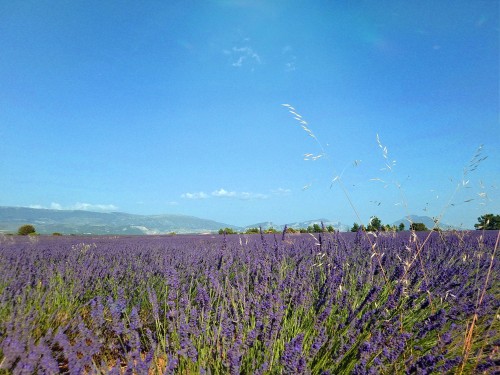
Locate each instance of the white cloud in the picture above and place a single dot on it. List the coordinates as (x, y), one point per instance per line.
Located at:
(94, 207)
(55, 206)
(78, 206)
(224, 193)
(243, 195)
(281, 191)
(290, 59)
(200, 195)
(36, 206)
(243, 56)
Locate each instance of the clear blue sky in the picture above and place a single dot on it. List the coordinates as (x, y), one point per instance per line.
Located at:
(176, 107)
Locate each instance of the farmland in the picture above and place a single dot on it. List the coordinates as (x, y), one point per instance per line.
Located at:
(327, 303)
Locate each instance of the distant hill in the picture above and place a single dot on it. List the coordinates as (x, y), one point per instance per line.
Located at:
(303, 224)
(48, 221)
(428, 221)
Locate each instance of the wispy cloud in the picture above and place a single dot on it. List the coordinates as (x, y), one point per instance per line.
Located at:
(199, 195)
(290, 57)
(223, 193)
(78, 206)
(281, 191)
(243, 56)
(244, 195)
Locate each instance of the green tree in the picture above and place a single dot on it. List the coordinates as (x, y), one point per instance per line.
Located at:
(24, 230)
(488, 222)
(330, 229)
(374, 225)
(388, 228)
(401, 227)
(252, 231)
(271, 230)
(315, 228)
(355, 227)
(227, 231)
(418, 227)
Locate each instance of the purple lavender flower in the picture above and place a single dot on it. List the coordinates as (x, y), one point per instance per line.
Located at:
(318, 342)
(234, 357)
(134, 319)
(292, 358)
(153, 300)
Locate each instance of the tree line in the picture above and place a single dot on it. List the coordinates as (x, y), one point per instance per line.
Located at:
(485, 222)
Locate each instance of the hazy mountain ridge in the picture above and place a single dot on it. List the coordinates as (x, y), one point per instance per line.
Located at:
(428, 221)
(48, 221)
(337, 225)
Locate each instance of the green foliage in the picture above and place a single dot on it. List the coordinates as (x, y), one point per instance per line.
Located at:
(388, 228)
(24, 230)
(252, 231)
(401, 227)
(418, 227)
(374, 225)
(56, 234)
(315, 228)
(271, 230)
(355, 227)
(227, 231)
(488, 222)
(330, 229)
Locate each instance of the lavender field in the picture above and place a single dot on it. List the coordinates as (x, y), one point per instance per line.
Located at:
(341, 303)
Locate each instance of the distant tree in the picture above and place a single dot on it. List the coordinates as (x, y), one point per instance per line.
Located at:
(56, 234)
(355, 227)
(24, 230)
(252, 231)
(227, 231)
(374, 225)
(388, 228)
(330, 229)
(488, 222)
(271, 230)
(303, 230)
(418, 227)
(291, 230)
(401, 227)
(315, 228)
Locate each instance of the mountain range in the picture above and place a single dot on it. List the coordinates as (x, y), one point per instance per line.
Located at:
(48, 221)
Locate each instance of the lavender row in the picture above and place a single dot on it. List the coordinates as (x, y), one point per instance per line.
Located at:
(330, 303)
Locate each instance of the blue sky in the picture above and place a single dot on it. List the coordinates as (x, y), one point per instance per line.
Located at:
(177, 107)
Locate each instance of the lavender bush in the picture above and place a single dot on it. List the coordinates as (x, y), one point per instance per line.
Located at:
(394, 303)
